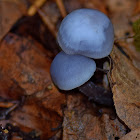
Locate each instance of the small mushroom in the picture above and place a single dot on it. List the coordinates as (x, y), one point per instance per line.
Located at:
(83, 34)
(86, 32)
(71, 71)
(74, 71)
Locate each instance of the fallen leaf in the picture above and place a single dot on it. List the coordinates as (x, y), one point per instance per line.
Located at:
(137, 8)
(82, 122)
(25, 70)
(11, 11)
(126, 89)
(122, 17)
(121, 12)
(33, 116)
(133, 135)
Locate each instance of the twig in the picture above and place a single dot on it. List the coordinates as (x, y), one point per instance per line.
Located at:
(35, 6)
(47, 21)
(5, 113)
(61, 8)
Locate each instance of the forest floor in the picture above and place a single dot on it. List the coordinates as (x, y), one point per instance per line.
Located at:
(33, 108)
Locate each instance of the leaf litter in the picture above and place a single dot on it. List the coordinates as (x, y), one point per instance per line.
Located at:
(44, 112)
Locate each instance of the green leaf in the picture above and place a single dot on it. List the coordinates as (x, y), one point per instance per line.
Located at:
(136, 28)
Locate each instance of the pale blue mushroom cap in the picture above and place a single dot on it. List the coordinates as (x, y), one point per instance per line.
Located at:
(86, 32)
(71, 71)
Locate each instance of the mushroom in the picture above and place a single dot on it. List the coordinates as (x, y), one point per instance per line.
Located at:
(74, 71)
(83, 34)
(71, 71)
(86, 32)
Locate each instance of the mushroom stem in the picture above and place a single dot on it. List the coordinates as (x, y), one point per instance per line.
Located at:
(97, 93)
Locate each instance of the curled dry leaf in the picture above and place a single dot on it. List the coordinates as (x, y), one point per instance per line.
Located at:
(126, 91)
(133, 135)
(10, 12)
(82, 122)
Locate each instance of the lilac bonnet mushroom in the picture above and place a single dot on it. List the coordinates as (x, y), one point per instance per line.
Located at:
(74, 71)
(86, 32)
(71, 71)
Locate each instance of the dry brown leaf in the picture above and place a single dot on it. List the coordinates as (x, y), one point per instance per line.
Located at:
(25, 70)
(122, 17)
(33, 116)
(131, 51)
(81, 122)
(133, 135)
(24, 62)
(137, 8)
(126, 91)
(10, 12)
(121, 11)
